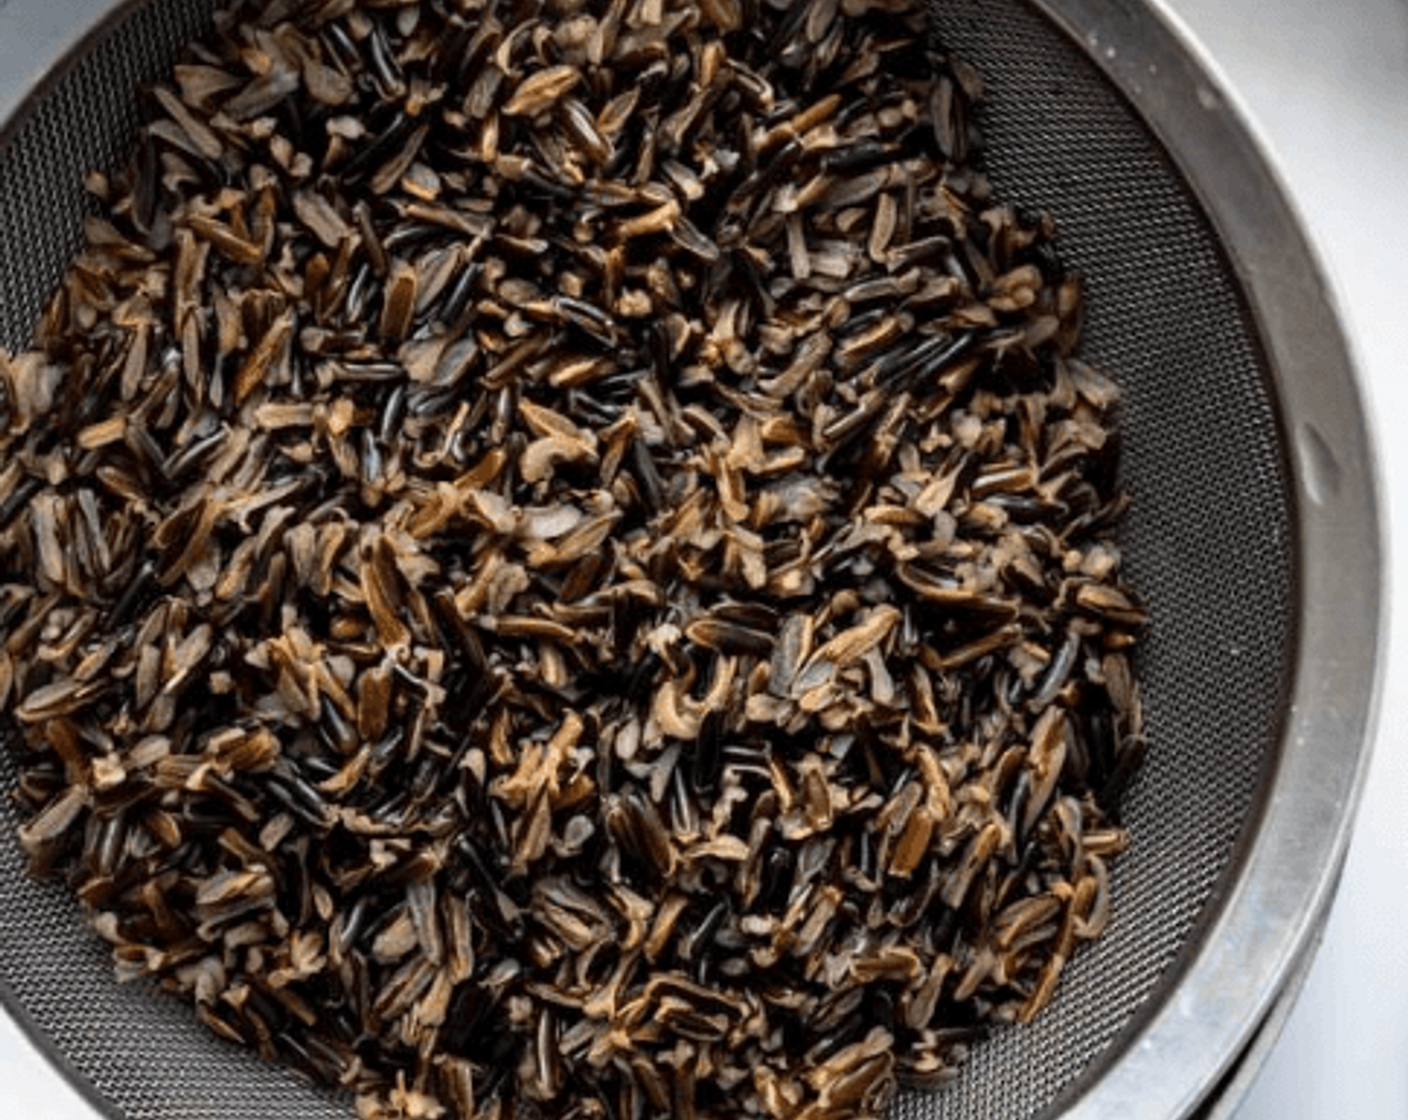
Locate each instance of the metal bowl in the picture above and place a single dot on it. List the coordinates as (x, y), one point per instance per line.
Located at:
(1255, 536)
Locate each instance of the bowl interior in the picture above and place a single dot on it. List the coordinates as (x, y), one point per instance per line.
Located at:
(1210, 543)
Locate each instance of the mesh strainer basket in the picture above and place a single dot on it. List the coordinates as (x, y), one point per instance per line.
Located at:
(1253, 538)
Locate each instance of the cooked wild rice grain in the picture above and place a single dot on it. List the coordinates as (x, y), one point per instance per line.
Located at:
(558, 559)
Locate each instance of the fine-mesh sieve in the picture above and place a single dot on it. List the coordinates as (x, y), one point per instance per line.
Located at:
(1253, 539)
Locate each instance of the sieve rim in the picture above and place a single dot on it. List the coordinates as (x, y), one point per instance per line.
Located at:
(39, 44)
(1260, 926)
(1243, 965)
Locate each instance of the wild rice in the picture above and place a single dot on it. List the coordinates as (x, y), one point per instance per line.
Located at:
(559, 558)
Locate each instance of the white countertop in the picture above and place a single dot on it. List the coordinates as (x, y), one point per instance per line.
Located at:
(1326, 83)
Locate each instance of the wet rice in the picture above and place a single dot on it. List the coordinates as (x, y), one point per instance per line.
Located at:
(560, 559)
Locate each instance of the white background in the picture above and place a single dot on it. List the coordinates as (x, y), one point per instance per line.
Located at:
(1326, 84)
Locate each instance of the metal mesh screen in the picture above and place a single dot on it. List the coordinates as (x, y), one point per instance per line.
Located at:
(1210, 544)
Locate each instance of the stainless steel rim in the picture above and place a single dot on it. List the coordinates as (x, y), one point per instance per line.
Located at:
(1226, 1097)
(1280, 884)
(37, 39)
(1262, 926)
